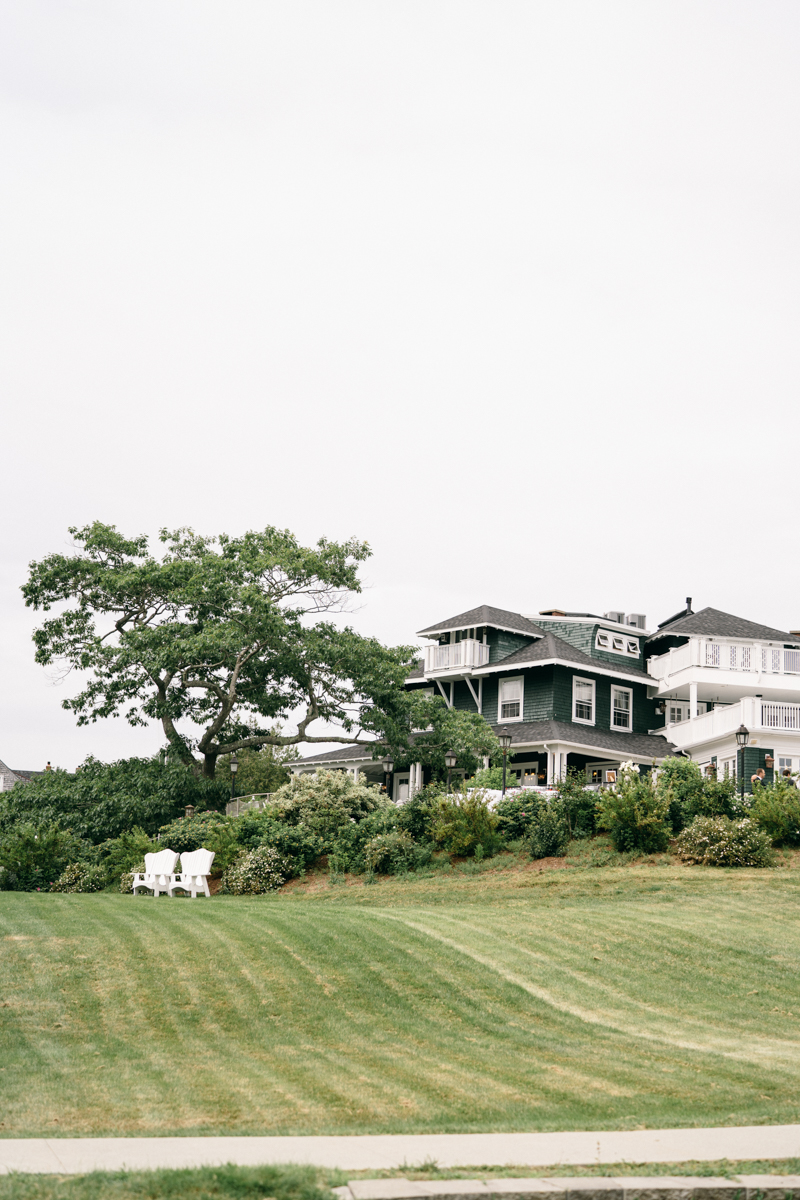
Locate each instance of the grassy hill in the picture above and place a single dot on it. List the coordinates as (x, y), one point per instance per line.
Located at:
(605, 998)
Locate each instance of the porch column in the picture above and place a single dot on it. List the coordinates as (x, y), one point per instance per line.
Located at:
(692, 699)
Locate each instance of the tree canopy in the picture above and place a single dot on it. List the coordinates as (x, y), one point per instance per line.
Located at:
(221, 637)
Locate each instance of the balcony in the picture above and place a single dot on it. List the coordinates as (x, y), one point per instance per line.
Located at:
(758, 715)
(457, 656)
(726, 665)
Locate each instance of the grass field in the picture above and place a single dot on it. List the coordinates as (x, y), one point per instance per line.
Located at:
(495, 1000)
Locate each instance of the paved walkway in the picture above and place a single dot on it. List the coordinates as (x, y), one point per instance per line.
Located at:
(376, 1151)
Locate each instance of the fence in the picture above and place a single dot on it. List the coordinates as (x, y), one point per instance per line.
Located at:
(244, 803)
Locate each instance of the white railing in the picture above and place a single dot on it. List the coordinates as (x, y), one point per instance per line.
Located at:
(725, 656)
(751, 711)
(457, 656)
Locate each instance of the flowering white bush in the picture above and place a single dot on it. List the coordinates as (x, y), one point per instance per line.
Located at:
(629, 768)
(720, 842)
(262, 870)
(79, 877)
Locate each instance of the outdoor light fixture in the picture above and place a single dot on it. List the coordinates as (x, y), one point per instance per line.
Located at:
(505, 743)
(234, 769)
(742, 738)
(449, 762)
(388, 767)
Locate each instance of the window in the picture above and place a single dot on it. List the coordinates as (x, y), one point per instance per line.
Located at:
(784, 764)
(633, 647)
(510, 703)
(603, 640)
(583, 700)
(618, 644)
(621, 700)
(675, 713)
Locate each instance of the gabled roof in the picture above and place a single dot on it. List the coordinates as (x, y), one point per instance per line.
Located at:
(711, 622)
(550, 647)
(498, 618)
(345, 754)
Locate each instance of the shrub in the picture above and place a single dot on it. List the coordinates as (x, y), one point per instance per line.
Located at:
(680, 785)
(126, 880)
(462, 822)
(548, 833)
(491, 778)
(34, 856)
(80, 877)
(514, 814)
(101, 800)
(120, 855)
(326, 801)
(254, 873)
(395, 853)
(210, 830)
(578, 804)
(776, 808)
(634, 813)
(418, 814)
(297, 846)
(721, 842)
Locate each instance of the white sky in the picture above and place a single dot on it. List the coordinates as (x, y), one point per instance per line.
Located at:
(508, 289)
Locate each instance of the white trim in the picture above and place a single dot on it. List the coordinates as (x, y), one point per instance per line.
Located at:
(475, 695)
(618, 673)
(520, 679)
(441, 689)
(622, 728)
(593, 686)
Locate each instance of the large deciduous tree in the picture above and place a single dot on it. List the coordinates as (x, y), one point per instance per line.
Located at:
(218, 639)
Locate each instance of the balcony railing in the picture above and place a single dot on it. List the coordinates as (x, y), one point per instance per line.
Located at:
(457, 656)
(751, 711)
(726, 656)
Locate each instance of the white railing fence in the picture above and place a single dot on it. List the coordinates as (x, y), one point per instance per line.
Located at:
(234, 807)
(469, 653)
(725, 656)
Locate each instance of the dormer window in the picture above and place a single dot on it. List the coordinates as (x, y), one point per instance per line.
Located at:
(606, 640)
(618, 644)
(603, 641)
(633, 647)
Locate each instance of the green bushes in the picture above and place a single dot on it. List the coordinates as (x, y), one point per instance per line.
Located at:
(209, 829)
(548, 832)
(255, 873)
(721, 842)
(34, 856)
(776, 808)
(80, 877)
(395, 853)
(463, 821)
(635, 813)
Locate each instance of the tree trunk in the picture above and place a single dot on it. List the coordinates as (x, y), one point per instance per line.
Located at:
(209, 765)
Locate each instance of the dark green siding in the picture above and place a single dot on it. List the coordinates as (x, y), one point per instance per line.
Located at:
(643, 709)
(753, 759)
(462, 696)
(490, 698)
(539, 695)
(583, 635)
(501, 643)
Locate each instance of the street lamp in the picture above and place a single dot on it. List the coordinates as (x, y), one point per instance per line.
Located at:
(449, 762)
(742, 738)
(388, 767)
(505, 742)
(234, 769)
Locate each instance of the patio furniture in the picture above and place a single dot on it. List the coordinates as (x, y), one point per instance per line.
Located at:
(193, 875)
(158, 872)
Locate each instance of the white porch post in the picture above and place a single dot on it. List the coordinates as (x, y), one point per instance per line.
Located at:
(692, 699)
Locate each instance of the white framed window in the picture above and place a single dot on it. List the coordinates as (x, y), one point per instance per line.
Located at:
(676, 713)
(621, 708)
(616, 644)
(583, 700)
(509, 702)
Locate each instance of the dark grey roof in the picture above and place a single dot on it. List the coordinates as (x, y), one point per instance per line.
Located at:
(345, 753)
(498, 618)
(612, 744)
(549, 646)
(711, 622)
(417, 671)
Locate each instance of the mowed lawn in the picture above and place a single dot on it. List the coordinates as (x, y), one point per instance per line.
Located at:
(608, 998)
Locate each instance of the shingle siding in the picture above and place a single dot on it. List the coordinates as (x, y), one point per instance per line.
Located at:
(583, 636)
(501, 643)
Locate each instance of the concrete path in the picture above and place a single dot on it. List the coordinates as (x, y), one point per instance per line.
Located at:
(376, 1151)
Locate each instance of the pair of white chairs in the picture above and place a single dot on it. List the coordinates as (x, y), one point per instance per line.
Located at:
(160, 874)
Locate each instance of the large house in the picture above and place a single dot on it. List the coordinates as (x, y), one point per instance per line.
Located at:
(587, 691)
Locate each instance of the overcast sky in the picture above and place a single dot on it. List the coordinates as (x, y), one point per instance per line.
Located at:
(509, 290)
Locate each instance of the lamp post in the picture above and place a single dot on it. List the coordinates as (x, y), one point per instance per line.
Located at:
(742, 738)
(449, 762)
(505, 742)
(388, 767)
(234, 769)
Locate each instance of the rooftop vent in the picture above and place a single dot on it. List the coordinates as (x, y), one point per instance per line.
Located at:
(638, 620)
(619, 617)
(551, 612)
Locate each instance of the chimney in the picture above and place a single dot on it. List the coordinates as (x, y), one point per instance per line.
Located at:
(689, 606)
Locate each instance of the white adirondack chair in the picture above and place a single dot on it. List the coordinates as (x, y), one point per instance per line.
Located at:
(158, 872)
(193, 875)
